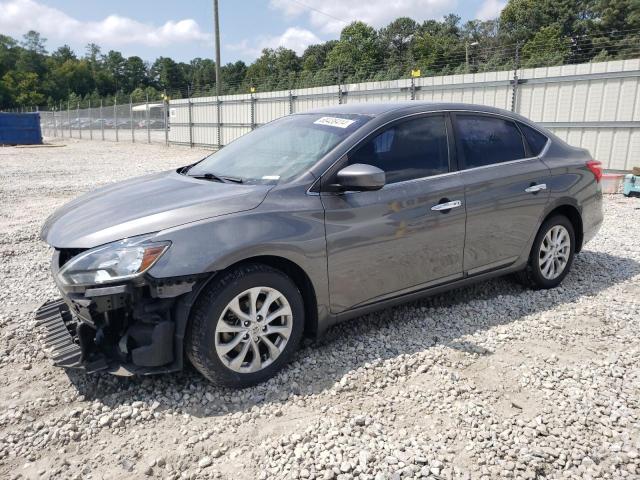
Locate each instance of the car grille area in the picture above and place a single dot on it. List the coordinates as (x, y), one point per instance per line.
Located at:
(62, 337)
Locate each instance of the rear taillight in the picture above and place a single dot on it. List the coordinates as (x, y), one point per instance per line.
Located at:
(596, 168)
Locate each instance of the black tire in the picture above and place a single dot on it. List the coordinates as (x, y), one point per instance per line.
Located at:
(532, 275)
(200, 337)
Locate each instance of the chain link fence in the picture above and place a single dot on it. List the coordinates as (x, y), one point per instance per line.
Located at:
(132, 122)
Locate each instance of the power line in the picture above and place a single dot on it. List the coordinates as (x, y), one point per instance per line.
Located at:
(319, 11)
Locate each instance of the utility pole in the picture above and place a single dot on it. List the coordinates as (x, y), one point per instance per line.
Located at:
(466, 52)
(216, 21)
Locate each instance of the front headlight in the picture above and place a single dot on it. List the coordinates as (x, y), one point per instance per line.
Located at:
(116, 261)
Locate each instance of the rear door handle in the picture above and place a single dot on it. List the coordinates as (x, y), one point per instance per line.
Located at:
(447, 205)
(536, 188)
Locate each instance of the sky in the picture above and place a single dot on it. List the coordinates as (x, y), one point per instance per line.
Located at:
(183, 29)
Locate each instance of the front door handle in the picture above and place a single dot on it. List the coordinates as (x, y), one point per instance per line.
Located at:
(536, 188)
(447, 205)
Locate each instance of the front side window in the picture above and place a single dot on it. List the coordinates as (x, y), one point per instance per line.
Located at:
(412, 149)
(487, 140)
(280, 150)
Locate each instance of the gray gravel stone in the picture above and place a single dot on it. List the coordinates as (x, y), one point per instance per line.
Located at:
(488, 381)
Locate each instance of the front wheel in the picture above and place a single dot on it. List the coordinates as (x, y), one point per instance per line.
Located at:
(551, 254)
(245, 326)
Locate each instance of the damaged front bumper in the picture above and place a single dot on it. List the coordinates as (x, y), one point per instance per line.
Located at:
(124, 329)
(71, 343)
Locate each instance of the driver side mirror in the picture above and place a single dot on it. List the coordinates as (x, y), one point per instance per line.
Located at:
(360, 177)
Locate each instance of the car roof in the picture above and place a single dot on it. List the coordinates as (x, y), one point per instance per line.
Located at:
(375, 109)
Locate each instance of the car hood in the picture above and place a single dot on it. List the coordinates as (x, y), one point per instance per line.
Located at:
(144, 205)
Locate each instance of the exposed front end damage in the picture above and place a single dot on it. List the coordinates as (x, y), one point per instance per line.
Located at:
(134, 327)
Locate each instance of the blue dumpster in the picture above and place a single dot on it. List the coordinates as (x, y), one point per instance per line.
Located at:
(20, 129)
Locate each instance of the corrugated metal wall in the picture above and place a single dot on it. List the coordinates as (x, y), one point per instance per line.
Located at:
(594, 105)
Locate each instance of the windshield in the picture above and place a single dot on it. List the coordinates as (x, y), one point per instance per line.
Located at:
(280, 150)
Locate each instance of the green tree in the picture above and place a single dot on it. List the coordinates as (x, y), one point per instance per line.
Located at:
(274, 69)
(395, 41)
(73, 76)
(31, 57)
(520, 20)
(135, 74)
(233, 77)
(315, 56)
(24, 88)
(8, 54)
(439, 47)
(202, 74)
(63, 54)
(357, 54)
(114, 64)
(547, 47)
(167, 75)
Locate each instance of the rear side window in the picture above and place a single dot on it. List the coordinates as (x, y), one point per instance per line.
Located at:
(412, 149)
(487, 140)
(535, 139)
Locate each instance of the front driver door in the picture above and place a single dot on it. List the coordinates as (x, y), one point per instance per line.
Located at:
(384, 243)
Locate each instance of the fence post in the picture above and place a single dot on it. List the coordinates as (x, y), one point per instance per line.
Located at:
(79, 122)
(166, 118)
(253, 111)
(514, 92)
(61, 123)
(148, 119)
(90, 122)
(55, 125)
(219, 121)
(115, 114)
(69, 119)
(339, 86)
(101, 121)
(290, 102)
(133, 134)
(190, 124)
(413, 88)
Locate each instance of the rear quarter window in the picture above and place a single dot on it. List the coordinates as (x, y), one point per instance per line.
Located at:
(535, 139)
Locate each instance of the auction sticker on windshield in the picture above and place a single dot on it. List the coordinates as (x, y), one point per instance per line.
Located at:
(334, 122)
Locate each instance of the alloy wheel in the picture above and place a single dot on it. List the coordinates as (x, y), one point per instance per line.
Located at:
(555, 250)
(253, 329)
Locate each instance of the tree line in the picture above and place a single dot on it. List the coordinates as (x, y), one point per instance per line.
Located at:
(527, 33)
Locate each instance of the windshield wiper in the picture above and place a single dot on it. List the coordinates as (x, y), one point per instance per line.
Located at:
(233, 179)
(218, 178)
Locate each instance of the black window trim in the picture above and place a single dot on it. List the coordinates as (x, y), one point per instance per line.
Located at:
(455, 164)
(332, 170)
(460, 153)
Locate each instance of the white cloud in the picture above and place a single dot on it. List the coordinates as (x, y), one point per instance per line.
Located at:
(295, 38)
(18, 16)
(490, 9)
(331, 16)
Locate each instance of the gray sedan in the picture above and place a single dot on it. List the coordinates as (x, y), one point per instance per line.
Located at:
(309, 220)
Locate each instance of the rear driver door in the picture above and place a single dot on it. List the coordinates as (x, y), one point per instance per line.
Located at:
(505, 190)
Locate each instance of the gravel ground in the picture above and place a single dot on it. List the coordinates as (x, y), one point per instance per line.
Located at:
(490, 381)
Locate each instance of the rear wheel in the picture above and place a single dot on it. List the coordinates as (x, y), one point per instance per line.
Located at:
(246, 326)
(551, 254)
